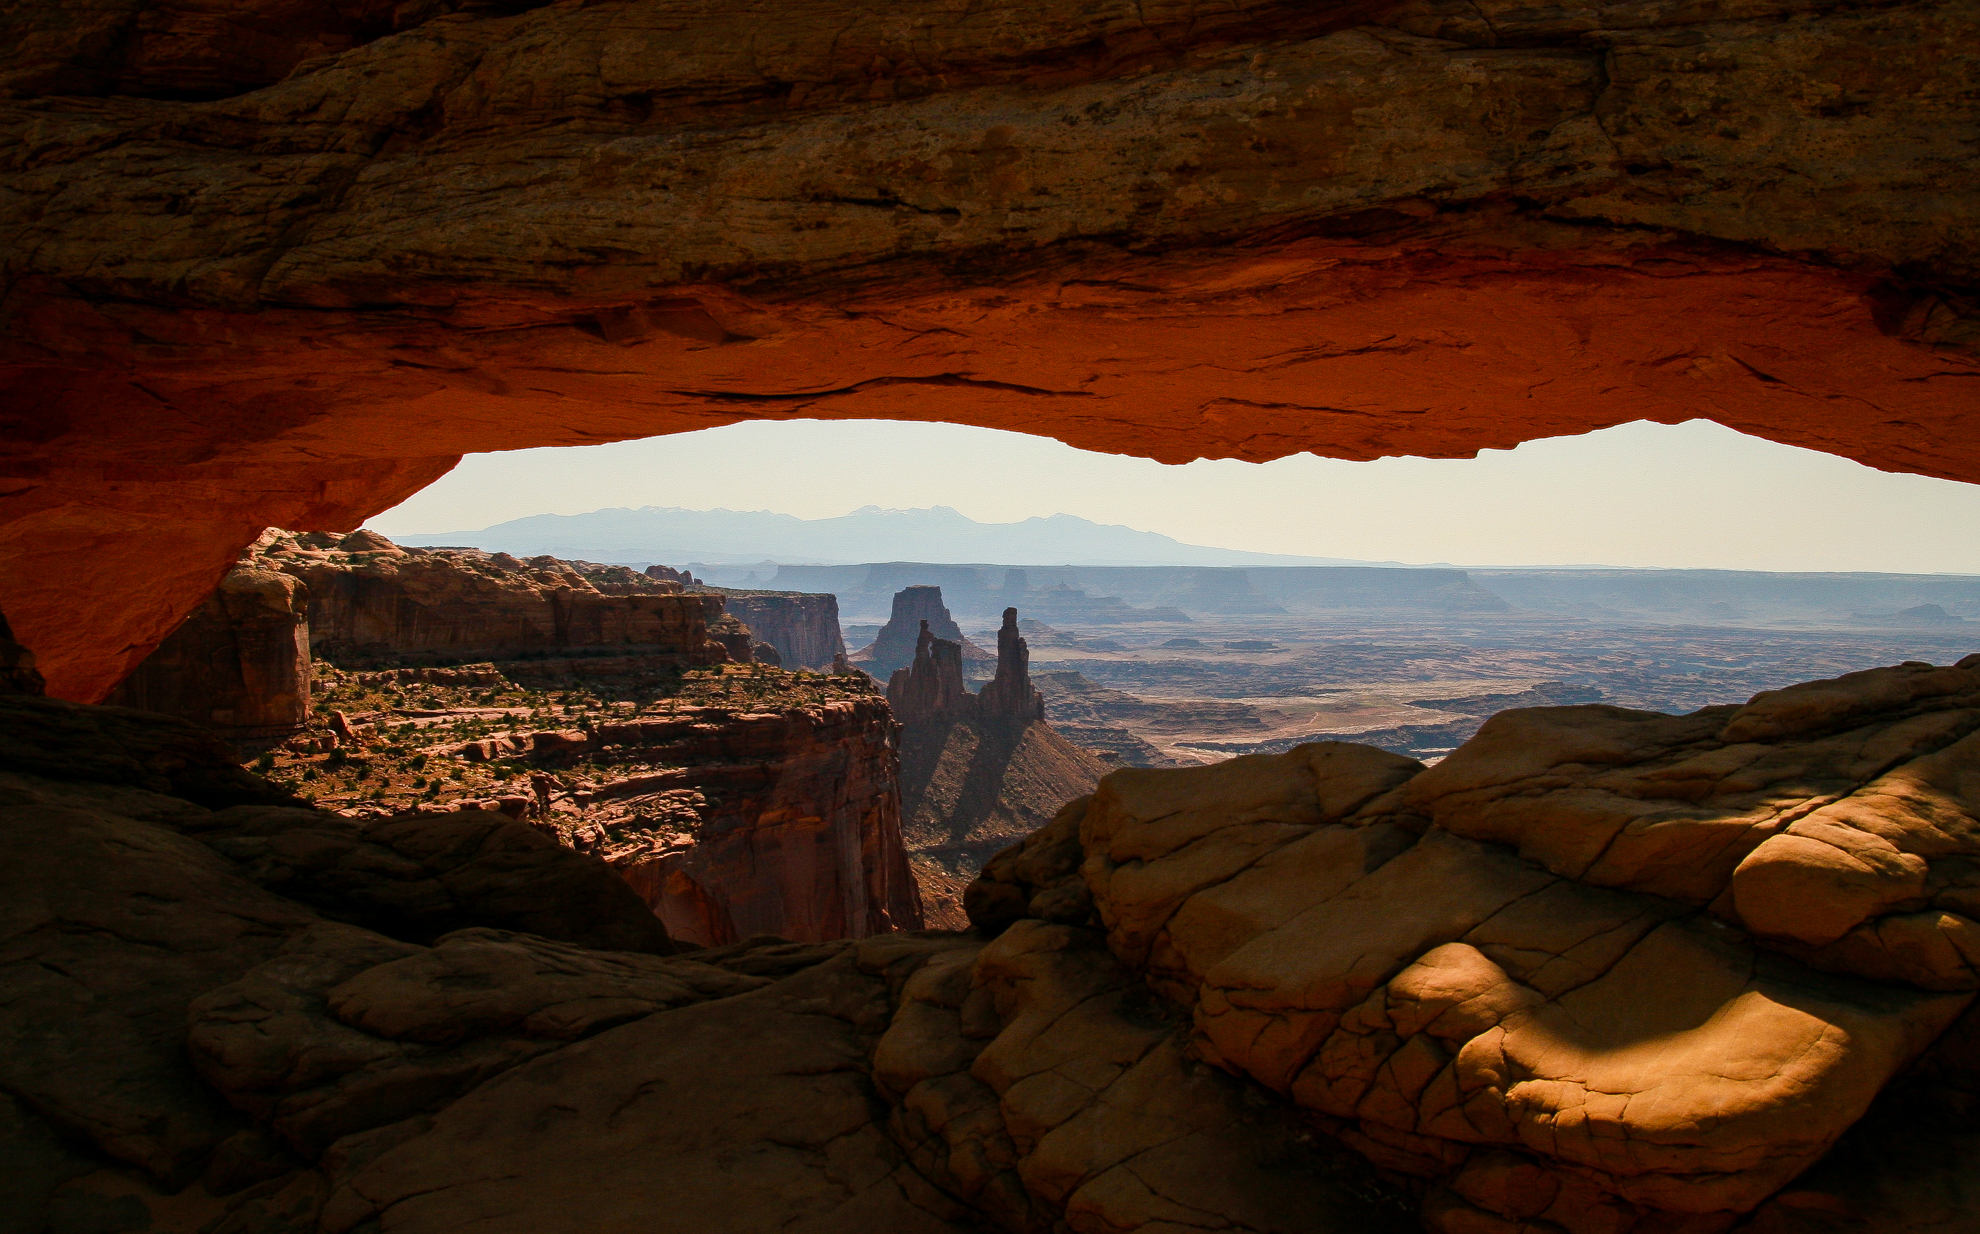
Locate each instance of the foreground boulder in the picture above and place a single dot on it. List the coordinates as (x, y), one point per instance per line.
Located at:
(1604, 969)
(188, 1050)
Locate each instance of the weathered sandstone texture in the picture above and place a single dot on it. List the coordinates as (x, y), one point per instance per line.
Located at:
(803, 628)
(917, 611)
(738, 801)
(1599, 970)
(267, 267)
(781, 820)
(238, 664)
(241, 662)
(978, 771)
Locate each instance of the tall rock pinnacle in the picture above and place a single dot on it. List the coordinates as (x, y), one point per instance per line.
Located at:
(1009, 697)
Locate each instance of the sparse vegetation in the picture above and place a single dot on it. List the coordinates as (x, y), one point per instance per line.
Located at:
(407, 747)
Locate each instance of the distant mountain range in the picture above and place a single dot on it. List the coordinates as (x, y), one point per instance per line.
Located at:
(939, 534)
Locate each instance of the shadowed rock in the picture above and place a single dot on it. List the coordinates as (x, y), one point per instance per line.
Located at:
(239, 664)
(1283, 994)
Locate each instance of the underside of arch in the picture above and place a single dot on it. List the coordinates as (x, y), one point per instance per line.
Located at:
(1420, 228)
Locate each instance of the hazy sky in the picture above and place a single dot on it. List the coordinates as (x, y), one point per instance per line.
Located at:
(1640, 494)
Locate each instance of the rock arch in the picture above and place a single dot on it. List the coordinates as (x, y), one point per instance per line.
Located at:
(1423, 227)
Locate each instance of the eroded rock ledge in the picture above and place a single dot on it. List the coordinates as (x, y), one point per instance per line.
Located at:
(1422, 227)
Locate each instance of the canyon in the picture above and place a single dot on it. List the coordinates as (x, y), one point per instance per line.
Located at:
(736, 801)
(241, 662)
(979, 771)
(1414, 659)
(1117, 595)
(619, 712)
(802, 628)
(914, 613)
(1427, 971)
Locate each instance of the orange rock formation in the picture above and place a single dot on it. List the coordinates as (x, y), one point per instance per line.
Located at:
(1212, 998)
(784, 822)
(239, 663)
(1599, 970)
(374, 604)
(1422, 227)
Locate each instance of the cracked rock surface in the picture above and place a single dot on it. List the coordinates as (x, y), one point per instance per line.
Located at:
(1598, 970)
(268, 266)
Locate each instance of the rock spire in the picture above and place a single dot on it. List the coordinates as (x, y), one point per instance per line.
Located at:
(930, 689)
(1010, 697)
(898, 642)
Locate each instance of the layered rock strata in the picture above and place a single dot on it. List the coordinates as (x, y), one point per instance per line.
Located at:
(373, 604)
(738, 801)
(781, 821)
(239, 664)
(224, 1019)
(1598, 970)
(784, 820)
(221, 1017)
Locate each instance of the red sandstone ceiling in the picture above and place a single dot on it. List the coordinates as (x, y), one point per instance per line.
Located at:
(270, 268)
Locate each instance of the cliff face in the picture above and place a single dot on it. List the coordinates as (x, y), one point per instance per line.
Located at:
(738, 800)
(373, 604)
(978, 770)
(803, 628)
(778, 821)
(239, 664)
